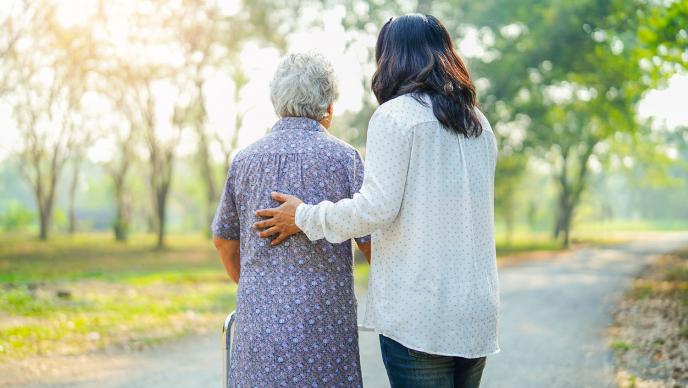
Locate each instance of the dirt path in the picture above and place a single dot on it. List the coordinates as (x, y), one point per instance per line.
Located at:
(553, 332)
(191, 362)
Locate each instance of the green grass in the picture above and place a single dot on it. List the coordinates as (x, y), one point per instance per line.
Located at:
(76, 294)
(678, 273)
(631, 226)
(622, 346)
(97, 257)
(641, 290)
(684, 331)
(523, 241)
(521, 244)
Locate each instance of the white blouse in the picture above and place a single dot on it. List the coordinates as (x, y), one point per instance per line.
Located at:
(427, 198)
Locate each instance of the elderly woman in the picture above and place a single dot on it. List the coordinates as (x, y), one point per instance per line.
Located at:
(296, 311)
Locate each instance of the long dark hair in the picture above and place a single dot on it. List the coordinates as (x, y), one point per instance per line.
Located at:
(415, 54)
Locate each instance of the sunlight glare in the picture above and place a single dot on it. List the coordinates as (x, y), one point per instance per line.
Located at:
(73, 13)
(667, 106)
(229, 7)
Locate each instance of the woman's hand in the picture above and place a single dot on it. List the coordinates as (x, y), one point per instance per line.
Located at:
(281, 221)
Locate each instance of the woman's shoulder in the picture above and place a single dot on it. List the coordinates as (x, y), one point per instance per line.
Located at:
(339, 144)
(405, 102)
(406, 110)
(340, 150)
(484, 122)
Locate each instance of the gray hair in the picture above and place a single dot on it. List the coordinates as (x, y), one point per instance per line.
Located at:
(304, 85)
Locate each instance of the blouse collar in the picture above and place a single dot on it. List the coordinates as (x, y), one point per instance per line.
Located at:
(300, 123)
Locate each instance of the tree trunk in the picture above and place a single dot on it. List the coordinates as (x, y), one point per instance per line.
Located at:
(564, 222)
(161, 155)
(72, 195)
(563, 197)
(45, 201)
(46, 214)
(208, 178)
(570, 192)
(121, 226)
(162, 181)
(161, 199)
(44, 225)
(204, 159)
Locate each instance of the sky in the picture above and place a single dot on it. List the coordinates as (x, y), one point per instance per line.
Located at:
(665, 106)
(668, 105)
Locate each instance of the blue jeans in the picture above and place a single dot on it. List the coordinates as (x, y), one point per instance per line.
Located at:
(408, 368)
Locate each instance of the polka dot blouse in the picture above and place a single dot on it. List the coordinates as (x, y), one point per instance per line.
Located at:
(427, 198)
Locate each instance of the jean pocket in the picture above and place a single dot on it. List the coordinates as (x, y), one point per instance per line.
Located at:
(419, 354)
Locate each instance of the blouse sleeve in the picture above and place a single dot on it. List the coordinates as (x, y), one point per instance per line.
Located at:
(357, 182)
(226, 220)
(388, 151)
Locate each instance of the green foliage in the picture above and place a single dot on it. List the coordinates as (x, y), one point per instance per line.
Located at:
(508, 176)
(664, 37)
(568, 74)
(16, 217)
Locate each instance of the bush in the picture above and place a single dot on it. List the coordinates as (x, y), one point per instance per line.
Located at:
(16, 217)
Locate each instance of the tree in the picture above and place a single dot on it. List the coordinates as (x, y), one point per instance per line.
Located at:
(229, 146)
(211, 42)
(201, 39)
(83, 128)
(158, 88)
(507, 181)
(45, 97)
(11, 32)
(571, 71)
(161, 148)
(120, 123)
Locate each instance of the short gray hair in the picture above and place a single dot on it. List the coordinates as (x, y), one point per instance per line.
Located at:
(304, 85)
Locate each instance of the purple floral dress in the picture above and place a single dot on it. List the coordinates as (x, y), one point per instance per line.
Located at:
(296, 311)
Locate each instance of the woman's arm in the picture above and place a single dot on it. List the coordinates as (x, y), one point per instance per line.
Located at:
(388, 151)
(230, 255)
(225, 227)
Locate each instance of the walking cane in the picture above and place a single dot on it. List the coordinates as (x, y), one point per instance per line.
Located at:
(227, 348)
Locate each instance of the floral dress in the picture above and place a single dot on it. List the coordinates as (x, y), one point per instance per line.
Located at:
(296, 310)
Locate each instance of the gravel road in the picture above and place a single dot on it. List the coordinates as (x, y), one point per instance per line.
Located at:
(555, 315)
(554, 318)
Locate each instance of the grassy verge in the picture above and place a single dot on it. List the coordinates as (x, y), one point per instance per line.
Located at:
(524, 244)
(532, 242)
(650, 340)
(73, 295)
(77, 294)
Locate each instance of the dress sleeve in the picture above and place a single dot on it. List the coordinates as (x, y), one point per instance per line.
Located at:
(388, 151)
(226, 220)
